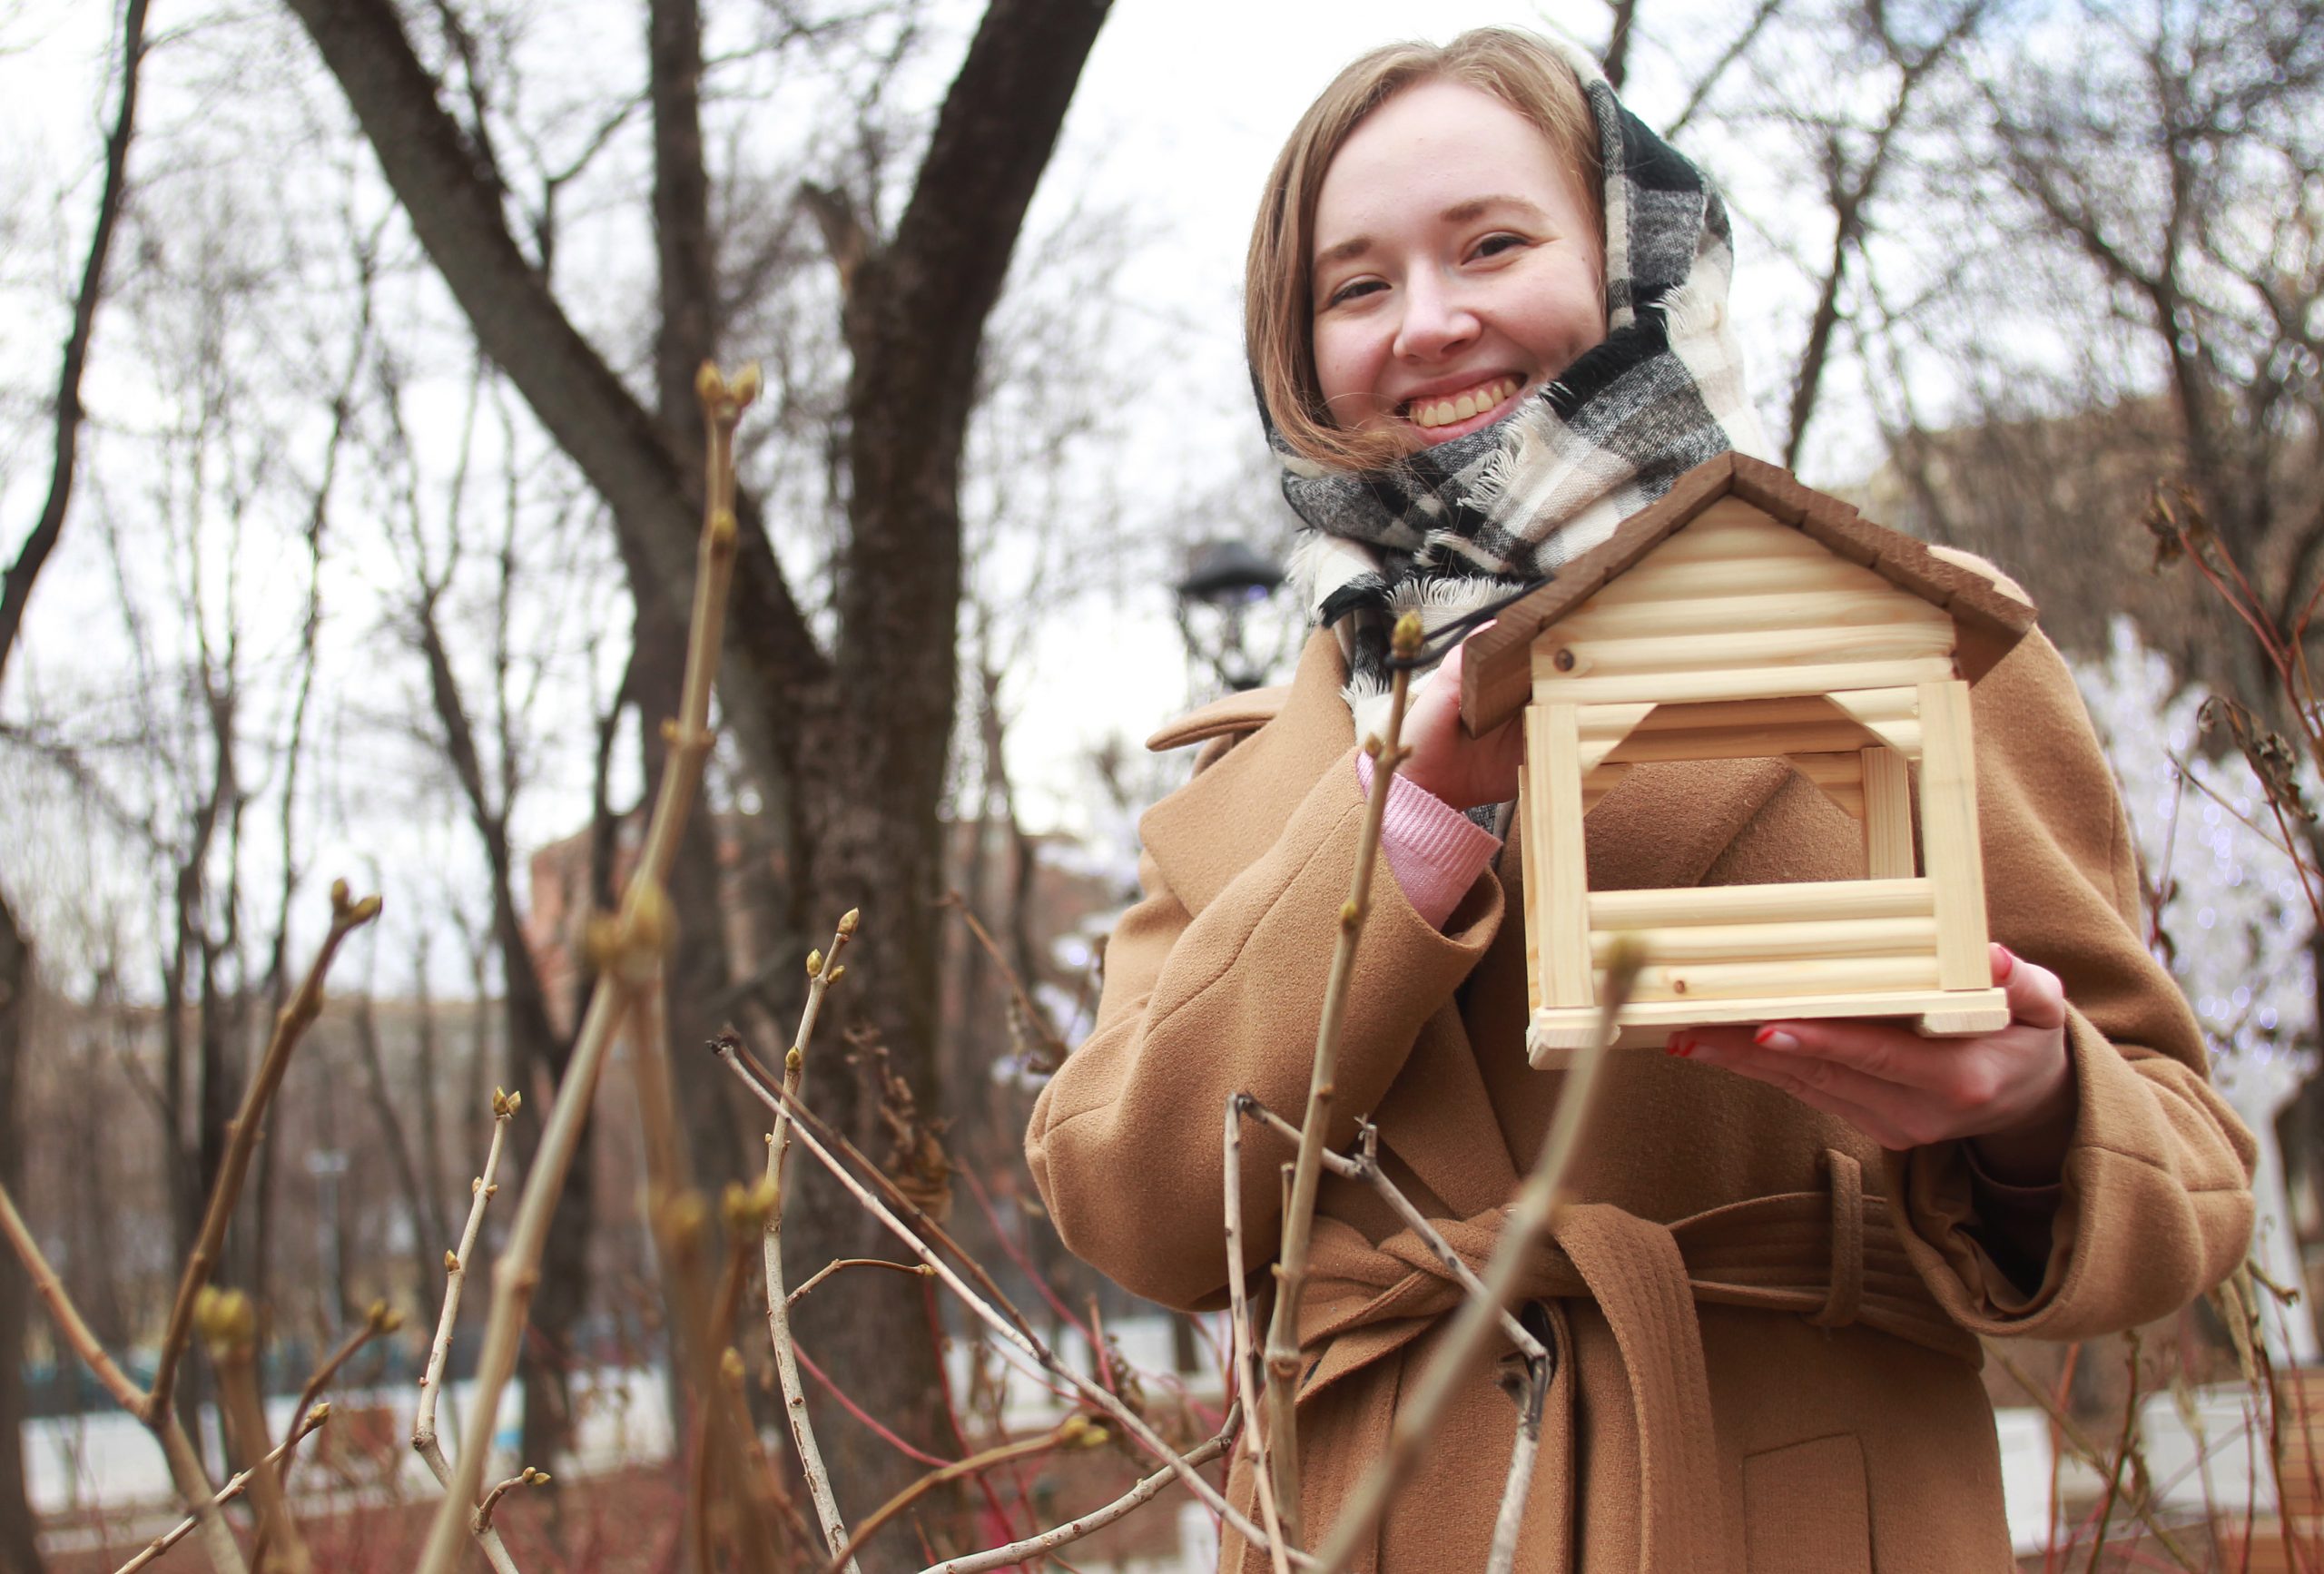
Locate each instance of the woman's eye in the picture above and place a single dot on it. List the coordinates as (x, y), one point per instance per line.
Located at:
(1493, 245)
(1354, 290)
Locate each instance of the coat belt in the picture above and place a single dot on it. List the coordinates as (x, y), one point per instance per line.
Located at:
(1831, 1255)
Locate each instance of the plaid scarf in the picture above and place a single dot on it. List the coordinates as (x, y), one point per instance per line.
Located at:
(1452, 529)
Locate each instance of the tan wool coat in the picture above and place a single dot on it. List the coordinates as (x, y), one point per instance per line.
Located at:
(1762, 1322)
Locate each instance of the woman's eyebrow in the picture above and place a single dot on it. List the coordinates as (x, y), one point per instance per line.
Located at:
(1478, 207)
(1466, 211)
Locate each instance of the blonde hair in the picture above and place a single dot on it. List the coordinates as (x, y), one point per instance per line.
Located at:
(1278, 308)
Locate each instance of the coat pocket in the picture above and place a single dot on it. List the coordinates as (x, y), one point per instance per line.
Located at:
(1804, 1509)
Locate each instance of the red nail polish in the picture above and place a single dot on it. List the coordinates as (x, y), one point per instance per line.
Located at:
(1763, 1035)
(2008, 962)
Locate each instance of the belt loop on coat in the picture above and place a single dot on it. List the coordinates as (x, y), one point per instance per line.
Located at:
(1846, 1291)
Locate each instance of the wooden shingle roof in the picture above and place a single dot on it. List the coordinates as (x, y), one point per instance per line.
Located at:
(1497, 676)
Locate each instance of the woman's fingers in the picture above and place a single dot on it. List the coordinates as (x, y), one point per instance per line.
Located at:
(2036, 998)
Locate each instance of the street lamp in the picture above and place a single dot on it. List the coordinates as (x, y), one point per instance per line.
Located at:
(1224, 581)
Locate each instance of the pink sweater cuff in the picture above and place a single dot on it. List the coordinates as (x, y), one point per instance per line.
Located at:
(1434, 851)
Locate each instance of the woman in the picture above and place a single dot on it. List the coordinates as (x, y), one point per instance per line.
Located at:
(1487, 321)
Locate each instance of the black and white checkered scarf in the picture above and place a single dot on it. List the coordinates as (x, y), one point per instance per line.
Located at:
(1451, 528)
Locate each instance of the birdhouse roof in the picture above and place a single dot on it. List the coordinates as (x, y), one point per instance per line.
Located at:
(1497, 679)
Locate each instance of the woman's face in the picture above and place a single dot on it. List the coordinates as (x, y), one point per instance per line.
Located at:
(1455, 268)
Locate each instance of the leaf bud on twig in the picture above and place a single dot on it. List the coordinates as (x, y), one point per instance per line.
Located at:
(815, 962)
(227, 1321)
(339, 896)
(708, 386)
(848, 920)
(1407, 640)
(746, 385)
(731, 1363)
(723, 530)
(451, 1261)
(837, 974)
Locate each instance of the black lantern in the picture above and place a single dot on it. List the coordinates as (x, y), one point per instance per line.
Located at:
(1224, 581)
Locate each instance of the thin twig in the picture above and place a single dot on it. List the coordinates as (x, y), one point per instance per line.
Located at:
(1366, 1168)
(1073, 1530)
(1519, 1486)
(1307, 1174)
(232, 1489)
(1248, 1385)
(1076, 1431)
(1533, 1214)
(805, 1125)
(635, 941)
(927, 1228)
(527, 1477)
(229, 1327)
(378, 1320)
(824, 969)
(346, 916)
(455, 1269)
(78, 1336)
(918, 1270)
(2079, 1443)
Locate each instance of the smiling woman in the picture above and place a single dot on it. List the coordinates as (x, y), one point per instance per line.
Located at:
(1487, 317)
(1457, 267)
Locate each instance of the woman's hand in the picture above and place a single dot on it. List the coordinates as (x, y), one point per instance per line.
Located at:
(1462, 770)
(2010, 1092)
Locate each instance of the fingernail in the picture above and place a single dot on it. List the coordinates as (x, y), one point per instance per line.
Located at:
(1679, 1044)
(1775, 1038)
(2008, 962)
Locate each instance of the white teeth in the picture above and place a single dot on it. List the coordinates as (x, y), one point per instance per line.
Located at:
(1445, 412)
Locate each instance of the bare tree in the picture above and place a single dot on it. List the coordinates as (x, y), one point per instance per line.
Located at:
(18, 1552)
(851, 738)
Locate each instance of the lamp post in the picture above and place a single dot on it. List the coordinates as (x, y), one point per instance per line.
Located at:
(1225, 580)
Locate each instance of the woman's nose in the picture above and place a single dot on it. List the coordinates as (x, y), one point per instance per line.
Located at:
(1436, 320)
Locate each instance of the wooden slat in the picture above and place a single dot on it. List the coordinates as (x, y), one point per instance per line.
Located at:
(1787, 976)
(1838, 776)
(1887, 814)
(1600, 782)
(1743, 684)
(1553, 1032)
(1949, 842)
(1738, 611)
(1835, 734)
(1562, 655)
(1704, 541)
(1552, 750)
(1602, 728)
(1815, 938)
(1529, 869)
(1891, 715)
(1805, 901)
(1666, 579)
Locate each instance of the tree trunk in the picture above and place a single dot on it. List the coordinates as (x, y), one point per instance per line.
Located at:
(19, 1554)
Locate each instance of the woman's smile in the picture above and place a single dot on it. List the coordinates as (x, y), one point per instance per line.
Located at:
(1444, 417)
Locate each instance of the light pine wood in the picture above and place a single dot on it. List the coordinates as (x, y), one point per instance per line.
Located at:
(1805, 901)
(1659, 580)
(1832, 735)
(1600, 782)
(1949, 835)
(1602, 729)
(1838, 776)
(1751, 683)
(1887, 814)
(1555, 1033)
(1724, 532)
(1563, 652)
(1878, 602)
(1784, 979)
(1805, 939)
(1892, 715)
(1552, 747)
(1529, 867)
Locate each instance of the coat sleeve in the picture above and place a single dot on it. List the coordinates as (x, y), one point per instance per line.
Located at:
(1128, 1141)
(2155, 1202)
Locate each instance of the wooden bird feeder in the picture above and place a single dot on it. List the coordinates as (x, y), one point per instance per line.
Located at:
(1747, 616)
